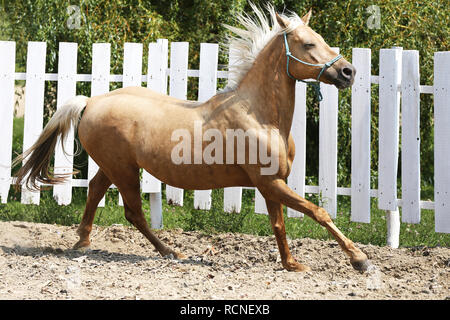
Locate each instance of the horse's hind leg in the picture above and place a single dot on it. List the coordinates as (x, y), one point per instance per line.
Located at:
(97, 189)
(129, 187)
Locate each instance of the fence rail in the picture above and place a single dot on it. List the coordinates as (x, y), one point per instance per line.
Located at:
(399, 107)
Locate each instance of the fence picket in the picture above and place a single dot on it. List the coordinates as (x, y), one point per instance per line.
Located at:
(441, 141)
(296, 179)
(157, 81)
(101, 56)
(67, 70)
(232, 199)
(7, 68)
(410, 137)
(260, 203)
(328, 116)
(207, 85)
(232, 196)
(132, 71)
(132, 64)
(34, 105)
(156, 217)
(177, 88)
(389, 109)
(361, 125)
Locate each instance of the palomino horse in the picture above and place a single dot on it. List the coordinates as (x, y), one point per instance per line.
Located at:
(132, 128)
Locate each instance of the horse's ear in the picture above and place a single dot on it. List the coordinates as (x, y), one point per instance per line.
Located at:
(284, 23)
(306, 17)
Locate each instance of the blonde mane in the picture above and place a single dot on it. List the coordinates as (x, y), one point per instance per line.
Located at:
(247, 42)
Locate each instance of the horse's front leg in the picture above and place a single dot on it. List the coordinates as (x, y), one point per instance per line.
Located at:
(275, 189)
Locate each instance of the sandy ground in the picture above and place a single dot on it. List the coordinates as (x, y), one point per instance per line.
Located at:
(37, 262)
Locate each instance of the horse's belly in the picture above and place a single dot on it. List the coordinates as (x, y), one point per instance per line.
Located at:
(199, 176)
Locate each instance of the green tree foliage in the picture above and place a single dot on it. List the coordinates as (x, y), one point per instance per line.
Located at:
(115, 22)
(418, 25)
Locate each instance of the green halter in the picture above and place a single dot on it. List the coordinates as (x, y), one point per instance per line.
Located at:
(324, 67)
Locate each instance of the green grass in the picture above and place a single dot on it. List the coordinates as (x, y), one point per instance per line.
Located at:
(216, 221)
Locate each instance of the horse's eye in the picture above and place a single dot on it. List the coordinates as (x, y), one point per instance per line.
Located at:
(309, 45)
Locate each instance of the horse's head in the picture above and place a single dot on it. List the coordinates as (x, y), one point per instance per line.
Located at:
(308, 46)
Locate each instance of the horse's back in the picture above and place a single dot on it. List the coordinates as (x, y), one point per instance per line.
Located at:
(129, 108)
(132, 121)
(144, 96)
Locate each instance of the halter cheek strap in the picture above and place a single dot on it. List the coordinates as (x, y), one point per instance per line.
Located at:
(323, 66)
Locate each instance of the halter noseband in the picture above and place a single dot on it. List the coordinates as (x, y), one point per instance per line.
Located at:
(324, 67)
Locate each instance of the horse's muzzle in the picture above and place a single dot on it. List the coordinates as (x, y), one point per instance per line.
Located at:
(345, 76)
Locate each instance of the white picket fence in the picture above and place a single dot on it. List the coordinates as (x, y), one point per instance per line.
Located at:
(398, 81)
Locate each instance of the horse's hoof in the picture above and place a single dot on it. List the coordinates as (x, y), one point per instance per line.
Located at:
(297, 267)
(174, 255)
(82, 246)
(179, 256)
(361, 265)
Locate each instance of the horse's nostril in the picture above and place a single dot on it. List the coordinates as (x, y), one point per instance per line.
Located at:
(347, 73)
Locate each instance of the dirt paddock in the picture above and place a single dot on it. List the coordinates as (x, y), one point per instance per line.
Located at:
(37, 262)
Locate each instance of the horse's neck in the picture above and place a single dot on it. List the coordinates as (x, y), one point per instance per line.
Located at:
(269, 90)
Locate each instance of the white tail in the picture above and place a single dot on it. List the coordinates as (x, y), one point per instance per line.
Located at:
(36, 166)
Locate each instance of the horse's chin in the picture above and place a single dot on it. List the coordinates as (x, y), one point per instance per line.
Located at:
(338, 82)
(342, 84)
